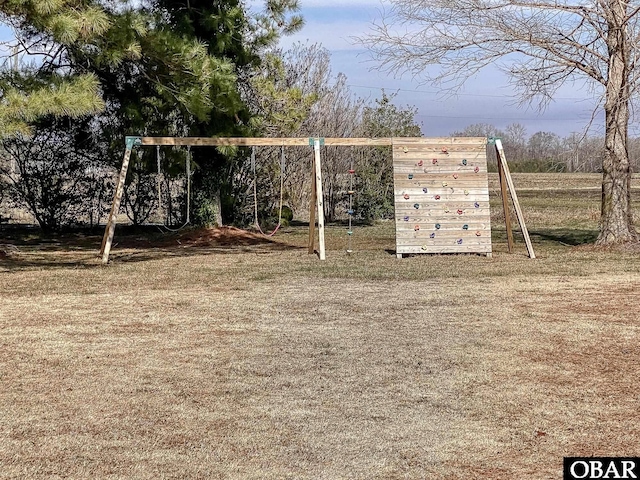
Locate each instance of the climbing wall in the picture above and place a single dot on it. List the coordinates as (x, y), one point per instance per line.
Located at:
(441, 195)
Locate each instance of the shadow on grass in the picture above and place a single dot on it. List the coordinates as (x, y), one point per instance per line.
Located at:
(550, 236)
(26, 247)
(566, 237)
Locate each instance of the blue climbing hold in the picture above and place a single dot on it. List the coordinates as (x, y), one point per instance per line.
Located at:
(425, 190)
(433, 235)
(416, 206)
(459, 241)
(477, 205)
(465, 227)
(410, 176)
(438, 226)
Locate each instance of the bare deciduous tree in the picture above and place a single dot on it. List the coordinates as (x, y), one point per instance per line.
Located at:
(542, 45)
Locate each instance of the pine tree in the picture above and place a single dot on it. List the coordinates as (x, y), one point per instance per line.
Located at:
(45, 82)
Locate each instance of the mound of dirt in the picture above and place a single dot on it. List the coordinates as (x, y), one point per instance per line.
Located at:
(222, 237)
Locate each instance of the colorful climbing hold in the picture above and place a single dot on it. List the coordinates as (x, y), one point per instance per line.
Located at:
(477, 169)
(465, 227)
(477, 205)
(350, 232)
(459, 241)
(425, 190)
(405, 149)
(466, 192)
(464, 161)
(445, 151)
(437, 197)
(434, 161)
(455, 175)
(406, 219)
(478, 234)
(406, 196)
(416, 206)
(351, 192)
(446, 209)
(352, 171)
(460, 212)
(424, 247)
(433, 235)
(410, 176)
(416, 228)
(444, 184)
(350, 212)
(438, 226)
(420, 163)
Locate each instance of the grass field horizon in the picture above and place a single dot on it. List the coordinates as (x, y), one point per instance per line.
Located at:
(227, 355)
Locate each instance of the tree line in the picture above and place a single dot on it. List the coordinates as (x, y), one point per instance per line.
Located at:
(545, 151)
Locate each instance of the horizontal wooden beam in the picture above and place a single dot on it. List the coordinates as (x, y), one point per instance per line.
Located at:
(259, 142)
(440, 142)
(358, 142)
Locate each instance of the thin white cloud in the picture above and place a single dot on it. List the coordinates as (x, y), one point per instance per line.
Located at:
(341, 3)
(338, 35)
(257, 4)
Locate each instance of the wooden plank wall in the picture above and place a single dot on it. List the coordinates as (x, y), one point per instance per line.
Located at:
(441, 195)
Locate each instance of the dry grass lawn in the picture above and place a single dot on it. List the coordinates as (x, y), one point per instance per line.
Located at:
(223, 355)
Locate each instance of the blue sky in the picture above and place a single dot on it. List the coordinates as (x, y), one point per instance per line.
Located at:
(486, 98)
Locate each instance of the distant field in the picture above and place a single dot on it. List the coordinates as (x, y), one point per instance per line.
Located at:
(558, 181)
(222, 354)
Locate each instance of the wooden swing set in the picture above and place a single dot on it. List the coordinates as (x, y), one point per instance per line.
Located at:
(316, 206)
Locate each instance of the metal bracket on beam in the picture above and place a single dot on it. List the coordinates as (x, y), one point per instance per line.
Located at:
(312, 141)
(492, 140)
(133, 141)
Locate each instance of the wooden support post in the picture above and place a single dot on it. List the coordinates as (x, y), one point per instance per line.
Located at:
(505, 202)
(319, 200)
(514, 197)
(115, 207)
(312, 208)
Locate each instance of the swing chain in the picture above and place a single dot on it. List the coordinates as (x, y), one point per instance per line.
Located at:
(255, 191)
(351, 192)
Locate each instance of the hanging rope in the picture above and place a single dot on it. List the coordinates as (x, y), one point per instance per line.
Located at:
(159, 180)
(187, 168)
(255, 192)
